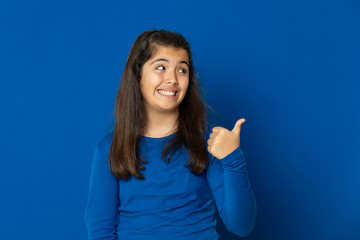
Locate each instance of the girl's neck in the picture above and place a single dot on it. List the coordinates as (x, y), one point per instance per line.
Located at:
(161, 125)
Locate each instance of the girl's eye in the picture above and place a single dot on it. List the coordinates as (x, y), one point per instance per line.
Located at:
(182, 70)
(160, 68)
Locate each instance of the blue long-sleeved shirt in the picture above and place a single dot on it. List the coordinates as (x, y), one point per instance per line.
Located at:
(172, 202)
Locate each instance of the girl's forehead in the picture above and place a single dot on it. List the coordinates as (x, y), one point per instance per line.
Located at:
(170, 52)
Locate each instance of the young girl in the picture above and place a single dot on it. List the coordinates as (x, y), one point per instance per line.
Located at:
(155, 176)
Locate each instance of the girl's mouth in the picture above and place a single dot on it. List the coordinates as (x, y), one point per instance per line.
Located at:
(167, 93)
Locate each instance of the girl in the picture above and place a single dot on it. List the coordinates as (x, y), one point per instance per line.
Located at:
(152, 176)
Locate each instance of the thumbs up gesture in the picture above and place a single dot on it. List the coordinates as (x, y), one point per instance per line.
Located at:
(222, 142)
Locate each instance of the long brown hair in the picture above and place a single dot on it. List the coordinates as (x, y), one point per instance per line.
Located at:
(130, 114)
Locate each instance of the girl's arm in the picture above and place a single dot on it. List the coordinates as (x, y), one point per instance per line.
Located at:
(228, 179)
(235, 200)
(101, 216)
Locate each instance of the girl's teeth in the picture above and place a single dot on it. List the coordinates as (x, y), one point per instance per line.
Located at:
(167, 93)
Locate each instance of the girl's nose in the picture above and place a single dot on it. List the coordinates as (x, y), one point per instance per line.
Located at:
(171, 78)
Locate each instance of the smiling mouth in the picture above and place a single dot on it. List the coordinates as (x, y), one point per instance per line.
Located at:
(167, 93)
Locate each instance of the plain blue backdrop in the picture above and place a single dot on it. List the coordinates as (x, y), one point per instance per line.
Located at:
(291, 68)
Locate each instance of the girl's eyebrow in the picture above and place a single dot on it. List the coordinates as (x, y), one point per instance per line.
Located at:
(165, 60)
(184, 62)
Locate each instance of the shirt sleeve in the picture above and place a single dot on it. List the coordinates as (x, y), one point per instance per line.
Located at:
(101, 215)
(234, 198)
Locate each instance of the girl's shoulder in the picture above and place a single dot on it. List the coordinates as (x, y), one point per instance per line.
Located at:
(104, 143)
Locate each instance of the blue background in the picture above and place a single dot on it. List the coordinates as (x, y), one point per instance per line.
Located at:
(291, 68)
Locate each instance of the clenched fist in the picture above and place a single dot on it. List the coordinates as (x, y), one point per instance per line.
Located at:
(222, 142)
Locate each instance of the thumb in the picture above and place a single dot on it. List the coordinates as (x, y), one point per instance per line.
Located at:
(237, 127)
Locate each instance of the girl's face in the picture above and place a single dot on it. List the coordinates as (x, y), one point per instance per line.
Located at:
(164, 80)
